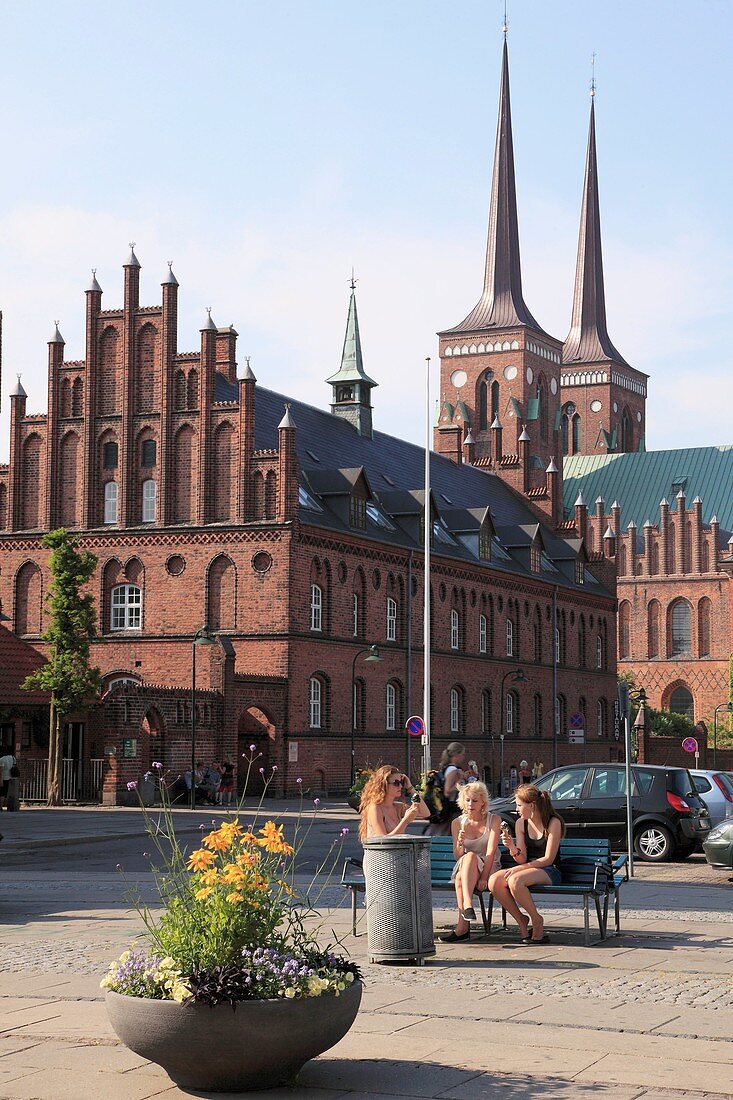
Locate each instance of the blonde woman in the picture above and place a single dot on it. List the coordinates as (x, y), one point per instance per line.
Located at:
(384, 811)
(476, 848)
(535, 850)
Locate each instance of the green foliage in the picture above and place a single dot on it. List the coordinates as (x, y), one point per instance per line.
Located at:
(72, 627)
(361, 778)
(665, 723)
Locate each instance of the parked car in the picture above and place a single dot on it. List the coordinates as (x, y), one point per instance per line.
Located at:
(669, 817)
(718, 845)
(716, 789)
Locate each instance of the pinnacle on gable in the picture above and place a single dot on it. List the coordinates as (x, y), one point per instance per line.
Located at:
(170, 279)
(524, 437)
(18, 391)
(609, 533)
(631, 526)
(580, 503)
(208, 324)
(287, 421)
(552, 468)
(247, 374)
(681, 495)
(495, 425)
(600, 500)
(468, 438)
(697, 500)
(648, 523)
(132, 260)
(712, 521)
(57, 338)
(94, 286)
(615, 505)
(664, 503)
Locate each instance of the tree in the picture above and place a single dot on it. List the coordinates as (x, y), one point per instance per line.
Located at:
(67, 674)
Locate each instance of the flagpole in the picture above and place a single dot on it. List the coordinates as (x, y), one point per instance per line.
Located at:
(427, 532)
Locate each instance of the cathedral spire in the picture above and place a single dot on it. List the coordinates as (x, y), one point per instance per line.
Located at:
(351, 386)
(588, 340)
(501, 305)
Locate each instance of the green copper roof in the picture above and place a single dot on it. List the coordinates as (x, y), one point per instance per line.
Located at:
(639, 481)
(352, 366)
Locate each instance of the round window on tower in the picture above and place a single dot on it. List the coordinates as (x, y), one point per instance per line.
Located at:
(458, 378)
(595, 406)
(510, 373)
(530, 376)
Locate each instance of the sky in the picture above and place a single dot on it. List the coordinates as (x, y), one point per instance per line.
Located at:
(266, 147)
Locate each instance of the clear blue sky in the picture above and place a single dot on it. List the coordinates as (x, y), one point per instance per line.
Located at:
(265, 146)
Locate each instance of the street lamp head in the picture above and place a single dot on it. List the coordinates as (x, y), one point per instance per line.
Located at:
(204, 637)
(519, 677)
(373, 654)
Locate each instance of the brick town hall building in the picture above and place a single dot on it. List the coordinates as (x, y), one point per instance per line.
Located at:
(296, 535)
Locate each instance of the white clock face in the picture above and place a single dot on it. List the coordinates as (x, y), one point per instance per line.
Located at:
(638, 417)
(510, 373)
(615, 406)
(596, 406)
(553, 385)
(530, 376)
(459, 378)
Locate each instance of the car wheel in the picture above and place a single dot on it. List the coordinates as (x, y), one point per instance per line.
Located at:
(653, 843)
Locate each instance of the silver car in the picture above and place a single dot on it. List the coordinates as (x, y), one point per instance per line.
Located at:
(716, 790)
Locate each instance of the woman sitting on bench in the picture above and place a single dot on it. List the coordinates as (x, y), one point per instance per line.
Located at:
(476, 848)
(383, 811)
(536, 855)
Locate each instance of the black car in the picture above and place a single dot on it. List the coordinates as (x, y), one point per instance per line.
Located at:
(669, 817)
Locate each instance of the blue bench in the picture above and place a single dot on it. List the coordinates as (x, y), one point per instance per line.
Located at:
(586, 866)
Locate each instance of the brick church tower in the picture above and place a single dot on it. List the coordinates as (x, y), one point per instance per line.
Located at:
(603, 398)
(499, 370)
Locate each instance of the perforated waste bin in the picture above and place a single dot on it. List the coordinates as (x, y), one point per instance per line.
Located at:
(398, 898)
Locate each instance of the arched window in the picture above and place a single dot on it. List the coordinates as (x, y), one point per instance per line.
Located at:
(150, 500)
(126, 607)
(511, 713)
(494, 401)
(77, 397)
(391, 619)
(581, 642)
(482, 633)
(627, 432)
(576, 433)
(561, 714)
(599, 652)
(509, 638)
(704, 641)
(358, 705)
(542, 408)
(653, 617)
(110, 502)
(316, 703)
(681, 702)
(28, 599)
(680, 628)
(564, 434)
(601, 718)
(537, 715)
(455, 710)
(390, 712)
(356, 614)
(624, 629)
(557, 645)
(192, 389)
(222, 594)
(455, 631)
(482, 407)
(65, 397)
(316, 607)
(179, 391)
(486, 711)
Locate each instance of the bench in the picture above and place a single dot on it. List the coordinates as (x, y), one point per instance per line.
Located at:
(585, 865)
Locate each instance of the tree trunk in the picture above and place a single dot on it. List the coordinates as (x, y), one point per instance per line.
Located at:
(53, 794)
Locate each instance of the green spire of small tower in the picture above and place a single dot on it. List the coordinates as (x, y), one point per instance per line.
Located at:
(351, 396)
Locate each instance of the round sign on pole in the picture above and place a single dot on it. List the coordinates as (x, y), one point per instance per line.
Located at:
(689, 744)
(415, 726)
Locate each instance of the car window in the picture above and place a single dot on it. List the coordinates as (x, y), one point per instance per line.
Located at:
(643, 780)
(545, 781)
(727, 782)
(680, 781)
(702, 784)
(568, 784)
(608, 783)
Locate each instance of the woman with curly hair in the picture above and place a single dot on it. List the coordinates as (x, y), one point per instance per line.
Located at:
(382, 807)
(535, 850)
(476, 850)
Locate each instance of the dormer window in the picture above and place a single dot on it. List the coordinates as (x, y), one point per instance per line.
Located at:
(535, 558)
(484, 544)
(579, 572)
(357, 512)
(344, 393)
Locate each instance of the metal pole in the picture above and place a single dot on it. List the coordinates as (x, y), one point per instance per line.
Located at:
(427, 532)
(353, 715)
(193, 723)
(501, 767)
(408, 686)
(629, 823)
(715, 735)
(555, 708)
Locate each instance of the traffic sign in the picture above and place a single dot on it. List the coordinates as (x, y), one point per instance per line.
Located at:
(415, 726)
(690, 744)
(577, 721)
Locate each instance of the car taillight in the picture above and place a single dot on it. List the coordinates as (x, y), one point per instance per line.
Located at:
(720, 783)
(677, 803)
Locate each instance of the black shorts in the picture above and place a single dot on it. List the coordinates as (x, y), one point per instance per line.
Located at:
(5, 788)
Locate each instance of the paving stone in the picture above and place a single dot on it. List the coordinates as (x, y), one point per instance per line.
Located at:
(489, 1086)
(391, 1077)
(657, 1073)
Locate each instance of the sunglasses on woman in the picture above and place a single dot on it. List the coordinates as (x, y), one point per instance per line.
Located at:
(395, 782)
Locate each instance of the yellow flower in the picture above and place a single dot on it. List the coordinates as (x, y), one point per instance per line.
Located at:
(248, 838)
(232, 873)
(219, 841)
(248, 859)
(234, 897)
(271, 838)
(203, 893)
(231, 829)
(200, 860)
(210, 878)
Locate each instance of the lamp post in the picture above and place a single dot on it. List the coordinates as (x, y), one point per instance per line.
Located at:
(373, 658)
(201, 637)
(721, 706)
(640, 722)
(518, 677)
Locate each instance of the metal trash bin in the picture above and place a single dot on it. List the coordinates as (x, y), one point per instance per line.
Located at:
(399, 901)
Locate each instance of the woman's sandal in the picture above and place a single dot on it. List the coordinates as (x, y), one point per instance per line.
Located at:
(453, 937)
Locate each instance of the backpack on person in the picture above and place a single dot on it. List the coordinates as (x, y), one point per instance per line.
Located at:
(434, 797)
(14, 770)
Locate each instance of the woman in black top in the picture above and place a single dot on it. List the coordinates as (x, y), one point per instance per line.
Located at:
(536, 855)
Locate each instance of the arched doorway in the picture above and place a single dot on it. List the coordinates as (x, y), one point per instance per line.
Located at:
(255, 728)
(681, 702)
(152, 746)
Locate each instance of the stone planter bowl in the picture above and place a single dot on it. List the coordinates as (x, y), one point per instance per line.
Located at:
(258, 1045)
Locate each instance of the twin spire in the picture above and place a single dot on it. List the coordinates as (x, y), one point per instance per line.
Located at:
(502, 303)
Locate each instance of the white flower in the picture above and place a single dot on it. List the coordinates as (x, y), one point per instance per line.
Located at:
(290, 993)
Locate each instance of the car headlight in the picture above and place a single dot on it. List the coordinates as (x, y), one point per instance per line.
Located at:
(724, 831)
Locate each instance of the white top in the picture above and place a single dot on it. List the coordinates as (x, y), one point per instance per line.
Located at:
(6, 763)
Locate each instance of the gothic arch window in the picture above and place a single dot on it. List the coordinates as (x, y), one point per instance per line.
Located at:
(68, 483)
(149, 500)
(258, 494)
(28, 599)
(192, 389)
(126, 607)
(704, 641)
(681, 702)
(109, 378)
(627, 431)
(30, 472)
(483, 633)
(561, 713)
(222, 594)
(391, 633)
(509, 638)
(179, 391)
(145, 374)
(271, 495)
(65, 397)
(482, 406)
(359, 604)
(575, 431)
(184, 498)
(224, 474)
(624, 629)
(653, 620)
(542, 408)
(581, 642)
(319, 702)
(537, 715)
(512, 714)
(455, 629)
(494, 401)
(486, 711)
(457, 709)
(77, 397)
(110, 502)
(679, 628)
(316, 605)
(601, 718)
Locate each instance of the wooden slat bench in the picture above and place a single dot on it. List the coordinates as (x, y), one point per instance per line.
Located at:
(586, 867)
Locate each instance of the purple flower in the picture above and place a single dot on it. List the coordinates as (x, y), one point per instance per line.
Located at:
(262, 771)
(274, 767)
(252, 748)
(157, 764)
(132, 785)
(316, 801)
(298, 780)
(344, 832)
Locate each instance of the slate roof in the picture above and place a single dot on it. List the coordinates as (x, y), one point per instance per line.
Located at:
(640, 480)
(332, 453)
(17, 660)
